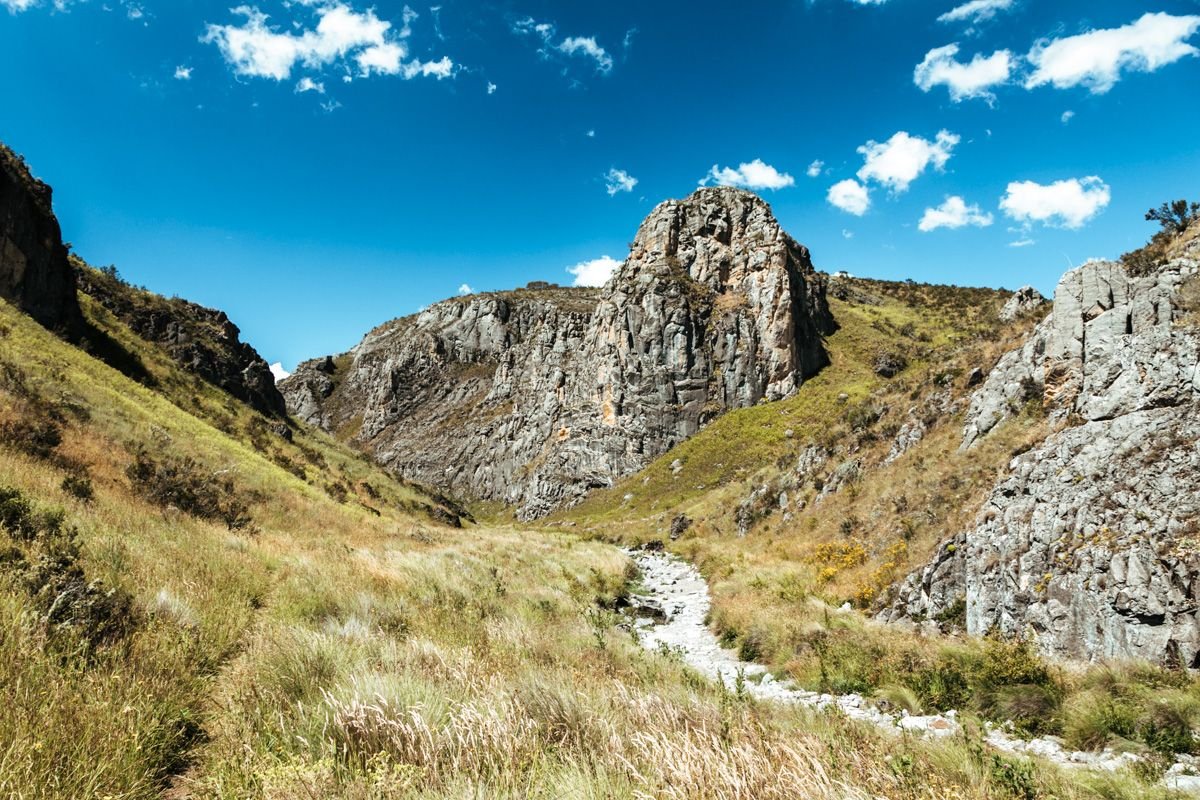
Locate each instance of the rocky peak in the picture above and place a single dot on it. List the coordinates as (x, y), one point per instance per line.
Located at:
(534, 396)
(34, 272)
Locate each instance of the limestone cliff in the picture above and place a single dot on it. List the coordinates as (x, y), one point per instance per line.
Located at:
(535, 396)
(34, 273)
(1091, 543)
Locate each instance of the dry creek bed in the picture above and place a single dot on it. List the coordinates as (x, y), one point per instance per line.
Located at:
(673, 612)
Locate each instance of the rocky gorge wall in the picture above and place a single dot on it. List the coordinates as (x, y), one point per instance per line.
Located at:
(536, 396)
(202, 340)
(1090, 544)
(34, 272)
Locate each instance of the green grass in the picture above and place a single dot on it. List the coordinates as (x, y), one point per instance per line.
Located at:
(358, 649)
(778, 578)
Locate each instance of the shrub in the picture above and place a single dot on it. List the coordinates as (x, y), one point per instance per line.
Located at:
(1174, 217)
(1032, 708)
(68, 602)
(37, 436)
(79, 486)
(944, 684)
(1092, 718)
(1009, 663)
(1166, 727)
(863, 415)
(181, 483)
(890, 364)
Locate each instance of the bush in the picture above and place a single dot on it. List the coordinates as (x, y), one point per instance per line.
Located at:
(1166, 727)
(944, 684)
(890, 364)
(79, 487)
(1174, 218)
(68, 602)
(1094, 717)
(1032, 708)
(37, 436)
(182, 484)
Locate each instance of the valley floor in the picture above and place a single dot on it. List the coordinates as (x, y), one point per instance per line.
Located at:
(195, 606)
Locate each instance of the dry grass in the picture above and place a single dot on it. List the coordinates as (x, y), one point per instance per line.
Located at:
(334, 651)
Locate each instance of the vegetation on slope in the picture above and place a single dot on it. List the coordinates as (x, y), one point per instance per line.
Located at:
(794, 509)
(227, 623)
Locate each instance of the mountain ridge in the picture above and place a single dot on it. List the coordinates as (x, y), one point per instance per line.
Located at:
(715, 308)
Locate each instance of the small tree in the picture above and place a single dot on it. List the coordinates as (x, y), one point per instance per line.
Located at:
(1174, 217)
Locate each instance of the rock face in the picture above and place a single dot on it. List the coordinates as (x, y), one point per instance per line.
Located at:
(34, 272)
(202, 340)
(1091, 543)
(1025, 300)
(536, 396)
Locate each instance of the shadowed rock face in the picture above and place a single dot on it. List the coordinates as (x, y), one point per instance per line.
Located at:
(201, 340)
(1089, 543)
(533, 397)
(34, 272)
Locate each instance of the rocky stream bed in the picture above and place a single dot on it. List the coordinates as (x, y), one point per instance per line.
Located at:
(673, 609)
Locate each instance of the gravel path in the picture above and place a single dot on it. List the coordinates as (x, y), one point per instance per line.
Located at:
(675, 606)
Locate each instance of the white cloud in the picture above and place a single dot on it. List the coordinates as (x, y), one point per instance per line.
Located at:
(1067, 116)
(850, 196)
(965, 81)
(1066, 204)
(279, 372)
(1097, 58)
(183, 73)
(133, 10)
(976, 11)
(569, 46)
(256, 48)
(307, 84)
(618, 180)
(897, 162)
(465, 289)
(595, 272)
(491, 88)
(846, 234)
(442, 68)
(1022, 243)
(814, 169)
(754, 175)
(588, 47)
(954, 213)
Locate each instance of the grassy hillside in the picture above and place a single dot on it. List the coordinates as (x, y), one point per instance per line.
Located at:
(795, 509)
(193, 606)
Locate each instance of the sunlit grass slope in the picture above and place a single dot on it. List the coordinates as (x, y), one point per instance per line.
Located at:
(190, 606)
(795, 509)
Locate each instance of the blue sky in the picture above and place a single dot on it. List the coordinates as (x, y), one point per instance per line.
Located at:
(317, 167)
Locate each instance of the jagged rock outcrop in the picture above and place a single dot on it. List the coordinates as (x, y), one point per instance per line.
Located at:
(201, 340)
(1024, 301)
(536, 396)
(1089, 544)
(34, 272)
